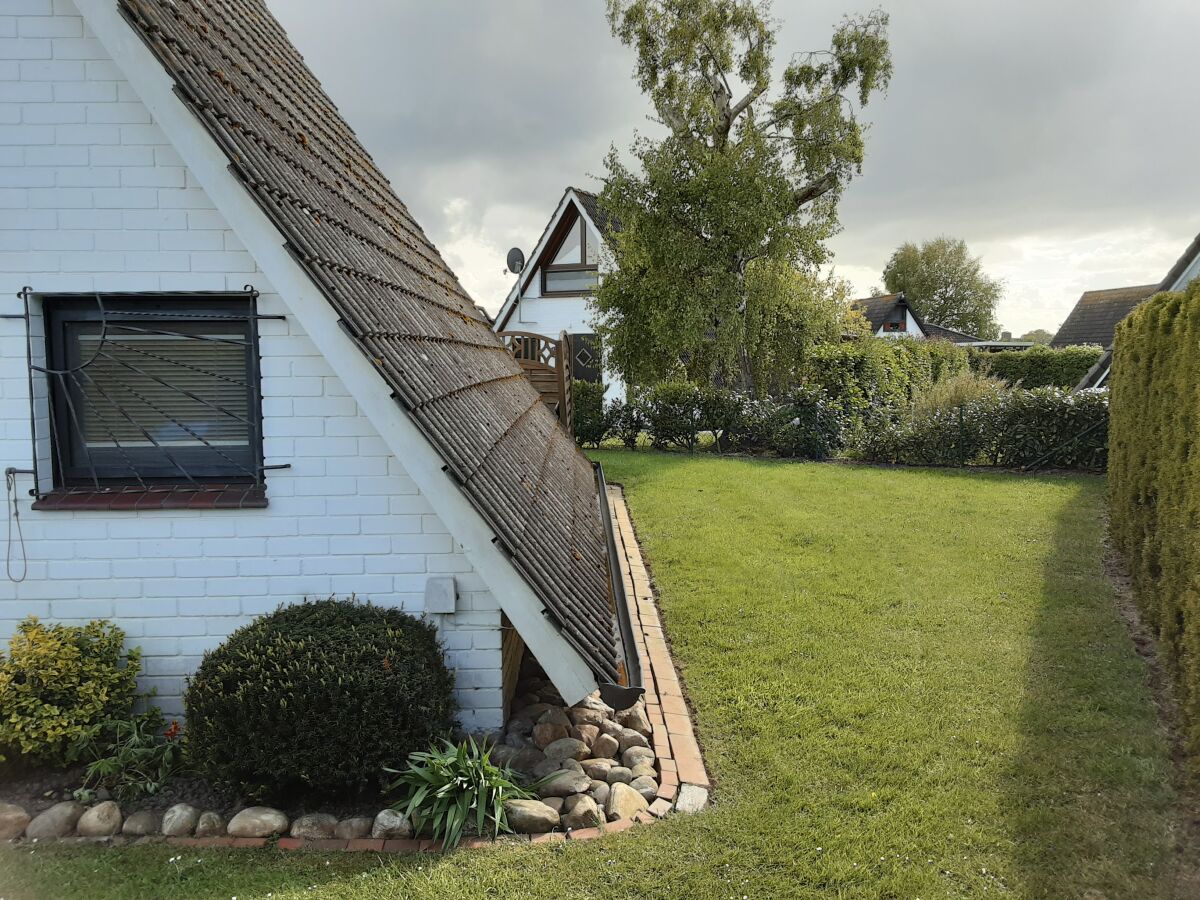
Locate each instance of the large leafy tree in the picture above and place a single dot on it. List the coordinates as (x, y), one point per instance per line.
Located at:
(719, 215)
(946, 285)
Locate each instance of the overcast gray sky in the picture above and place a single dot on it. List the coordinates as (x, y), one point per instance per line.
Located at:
(1059, 138)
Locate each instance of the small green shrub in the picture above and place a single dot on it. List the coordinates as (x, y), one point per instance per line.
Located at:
(807, 426)
(57, 683)
(626, 420)
(317, 697)
(445, 789)
(588, 418)
(1039, 366)
(674, 414)
(1154, 481)
(130, 757)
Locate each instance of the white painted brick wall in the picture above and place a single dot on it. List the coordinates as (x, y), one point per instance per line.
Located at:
(92, 197)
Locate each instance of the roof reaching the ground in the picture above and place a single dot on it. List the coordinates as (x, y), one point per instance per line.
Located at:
(237, 70)
(1095, 317)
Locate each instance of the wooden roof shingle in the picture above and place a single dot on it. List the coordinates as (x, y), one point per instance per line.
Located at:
(285, 140)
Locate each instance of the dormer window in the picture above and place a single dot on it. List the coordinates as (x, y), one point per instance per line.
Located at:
(574, 266)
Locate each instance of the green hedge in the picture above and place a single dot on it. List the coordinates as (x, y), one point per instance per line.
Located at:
(881, 372)
(1154, 480)
(1039, 366)
(1044, 426)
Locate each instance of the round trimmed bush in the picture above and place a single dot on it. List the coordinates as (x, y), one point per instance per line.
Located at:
(316, 698)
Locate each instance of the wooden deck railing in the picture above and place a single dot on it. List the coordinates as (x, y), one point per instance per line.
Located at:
(547, 364)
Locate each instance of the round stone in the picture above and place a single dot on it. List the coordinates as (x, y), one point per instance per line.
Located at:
(555, 716)
(630, 738)
(566, 748)
(635, 718)
(597, 768)
(563, 784)
(58, 821)
(646, 786)
(582, 715)
(314, 826)
(599, 792)
(180, 820)
(530, 816)
(619, 775)
(353, 828)
(141, 823)
(13, 820)
(546, 733)
(636, 756)
(624, 802)
(581, 811)
(391, 824)
(257, 822)
(210, 824)
(644, 769)
(102, 820)
(606, 746)
(555, 803)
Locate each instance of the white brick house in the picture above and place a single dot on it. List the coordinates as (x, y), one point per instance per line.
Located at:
(111, 185)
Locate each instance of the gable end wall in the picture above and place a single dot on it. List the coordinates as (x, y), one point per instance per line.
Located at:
(93, 197)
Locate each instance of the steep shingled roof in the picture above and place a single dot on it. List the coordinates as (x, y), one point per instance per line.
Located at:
(236, 69)
(591, 205)
(1096, 315)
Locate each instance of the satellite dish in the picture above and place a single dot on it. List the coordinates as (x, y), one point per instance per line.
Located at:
(516, 261)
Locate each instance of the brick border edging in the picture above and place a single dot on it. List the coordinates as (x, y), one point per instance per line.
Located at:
(673, 734)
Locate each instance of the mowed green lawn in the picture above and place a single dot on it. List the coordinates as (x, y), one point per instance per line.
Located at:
(908, 683)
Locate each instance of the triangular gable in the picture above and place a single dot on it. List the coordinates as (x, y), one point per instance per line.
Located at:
(353, 257)
(573, 201)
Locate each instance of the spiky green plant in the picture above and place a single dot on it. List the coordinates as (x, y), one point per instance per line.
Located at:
(444, 788)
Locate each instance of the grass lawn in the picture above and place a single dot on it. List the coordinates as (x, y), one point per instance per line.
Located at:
(908, 683)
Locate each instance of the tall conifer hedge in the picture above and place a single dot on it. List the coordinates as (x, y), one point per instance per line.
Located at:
(1154, 479)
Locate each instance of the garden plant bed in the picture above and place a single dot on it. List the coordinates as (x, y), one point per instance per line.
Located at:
(596, 770)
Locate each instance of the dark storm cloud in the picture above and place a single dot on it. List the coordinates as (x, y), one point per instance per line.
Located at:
(1059, 138)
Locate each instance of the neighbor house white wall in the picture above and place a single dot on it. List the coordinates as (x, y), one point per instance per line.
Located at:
(912, 329)
(551, 316)
(93, 197)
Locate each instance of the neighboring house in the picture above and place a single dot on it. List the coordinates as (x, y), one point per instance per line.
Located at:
(1097, 314)
(890, 316)
(236, 373)
(554, 292)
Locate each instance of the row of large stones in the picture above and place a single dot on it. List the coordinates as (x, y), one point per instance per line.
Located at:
(592, 763)
(105, 820)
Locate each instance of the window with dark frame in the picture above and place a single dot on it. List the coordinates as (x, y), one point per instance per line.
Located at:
(574, 266)
(153, 390)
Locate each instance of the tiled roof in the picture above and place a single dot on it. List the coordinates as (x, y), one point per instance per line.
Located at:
(1096, 315)
(591, 204)
(949, 334)
(1181, 265)
(285, 140)
(877, 309)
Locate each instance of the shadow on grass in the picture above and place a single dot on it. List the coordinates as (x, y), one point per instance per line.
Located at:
(1088, 798)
